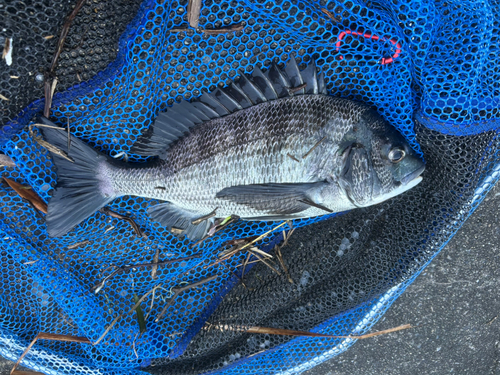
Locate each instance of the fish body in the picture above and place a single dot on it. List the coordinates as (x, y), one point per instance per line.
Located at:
(270, 154)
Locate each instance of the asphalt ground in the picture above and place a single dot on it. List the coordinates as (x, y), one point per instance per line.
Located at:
(454, 304)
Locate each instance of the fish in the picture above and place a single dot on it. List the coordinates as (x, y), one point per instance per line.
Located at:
(270, 146)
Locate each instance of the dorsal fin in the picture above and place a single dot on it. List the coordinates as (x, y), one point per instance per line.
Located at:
(251, 90)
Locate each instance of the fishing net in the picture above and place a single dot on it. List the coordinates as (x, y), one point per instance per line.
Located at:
(431, 69)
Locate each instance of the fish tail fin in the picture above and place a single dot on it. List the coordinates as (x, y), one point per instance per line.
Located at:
(83, 187)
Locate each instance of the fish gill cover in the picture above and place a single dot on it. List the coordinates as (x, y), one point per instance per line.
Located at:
(431, 69)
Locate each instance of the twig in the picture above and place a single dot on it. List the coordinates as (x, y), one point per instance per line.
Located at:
(292, 90)
(49, 336)
(225, 30)
(290, 332)
(181, 289)
(60, 45)
(235, 275)
(178, 29)
(206, 217)
(312, 149)
(155, 260)
(121, 269)
(245, 264)
(293, 157)
(193, 12)
(135, 227)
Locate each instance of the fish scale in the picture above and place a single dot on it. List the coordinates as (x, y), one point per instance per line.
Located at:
(286, 157)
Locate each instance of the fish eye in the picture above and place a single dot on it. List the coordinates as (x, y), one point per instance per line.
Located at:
(396, 154)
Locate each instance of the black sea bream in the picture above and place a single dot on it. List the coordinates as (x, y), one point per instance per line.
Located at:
(272, 146)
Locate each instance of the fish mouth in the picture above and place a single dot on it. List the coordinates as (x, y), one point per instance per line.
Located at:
(413, 175)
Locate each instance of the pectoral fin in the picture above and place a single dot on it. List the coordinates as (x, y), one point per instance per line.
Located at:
(274, 199)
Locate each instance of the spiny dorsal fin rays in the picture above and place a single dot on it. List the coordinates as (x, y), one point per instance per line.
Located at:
(294, 76)
(264, 84)
(259, 87)
(252, 91)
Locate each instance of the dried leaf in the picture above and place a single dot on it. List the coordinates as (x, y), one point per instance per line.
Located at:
(290, 332)
(140, 315)
(28, 194)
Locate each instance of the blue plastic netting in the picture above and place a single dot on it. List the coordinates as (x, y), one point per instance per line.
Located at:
(431, 69)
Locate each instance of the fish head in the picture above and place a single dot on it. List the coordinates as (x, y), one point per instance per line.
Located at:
(377, 163)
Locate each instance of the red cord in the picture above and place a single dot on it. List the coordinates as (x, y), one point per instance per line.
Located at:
(369, 36)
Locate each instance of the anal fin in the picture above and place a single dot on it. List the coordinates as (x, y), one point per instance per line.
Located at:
(172, 216)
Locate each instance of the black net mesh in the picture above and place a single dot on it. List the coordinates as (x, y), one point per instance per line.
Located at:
(435, 63)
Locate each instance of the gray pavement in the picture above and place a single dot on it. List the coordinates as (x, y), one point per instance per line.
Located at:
(455, 304)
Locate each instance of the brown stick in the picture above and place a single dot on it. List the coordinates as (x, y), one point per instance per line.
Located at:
(55, 58)
(289, 332)
(48, 336)
(225, 30)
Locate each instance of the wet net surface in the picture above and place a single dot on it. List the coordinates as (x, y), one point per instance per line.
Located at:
(437, 63)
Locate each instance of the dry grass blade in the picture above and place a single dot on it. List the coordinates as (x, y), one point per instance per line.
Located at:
(293, 90)
(121, 269)
(224, 30)
(282, 262)
(57, 53)
(293, 157)
(181, 289)
(193, 12)
(6, 161)
(46, 144)
(206, 217)
(77, 245)
(6, 48)
(48, 336)
(4, 98)
(331, 15)
(129, 220)
(259, 251)
(27, 373)
(290, 332)
(28, 194)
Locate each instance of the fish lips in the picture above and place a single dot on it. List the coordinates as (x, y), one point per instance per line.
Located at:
(413, 175)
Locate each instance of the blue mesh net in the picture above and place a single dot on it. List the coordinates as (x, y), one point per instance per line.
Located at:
(423, 65)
